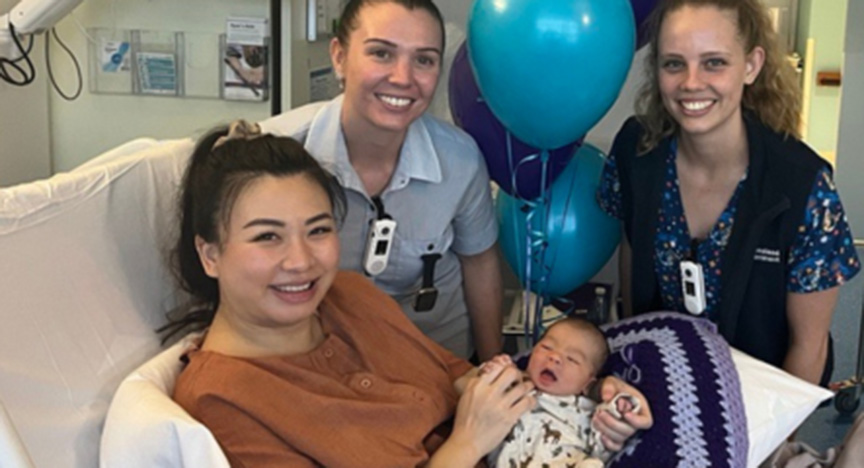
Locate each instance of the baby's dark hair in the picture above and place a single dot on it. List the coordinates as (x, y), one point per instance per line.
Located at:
(213, 180)
(593, 332)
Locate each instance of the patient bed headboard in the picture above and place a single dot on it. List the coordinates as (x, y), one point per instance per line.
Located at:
(83, 285)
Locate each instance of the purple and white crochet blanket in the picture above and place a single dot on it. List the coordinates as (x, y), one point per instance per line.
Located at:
(684, 368)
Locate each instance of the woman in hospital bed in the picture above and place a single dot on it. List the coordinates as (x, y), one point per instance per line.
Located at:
(305, 365)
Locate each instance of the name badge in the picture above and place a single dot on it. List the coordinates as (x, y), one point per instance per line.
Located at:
(767, 255)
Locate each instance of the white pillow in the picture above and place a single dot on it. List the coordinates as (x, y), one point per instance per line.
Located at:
(776, 403)
(145, 428)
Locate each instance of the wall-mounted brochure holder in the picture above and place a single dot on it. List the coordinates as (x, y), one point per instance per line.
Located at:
(244, 70)
(110, 61)
(176, 64)
(158, 63)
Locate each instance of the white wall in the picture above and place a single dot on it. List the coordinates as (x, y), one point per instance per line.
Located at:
(850, 146)
(96, 122)
(308, 56)
(455, 11)
(24, 130)
(824, 22)
(305, 55)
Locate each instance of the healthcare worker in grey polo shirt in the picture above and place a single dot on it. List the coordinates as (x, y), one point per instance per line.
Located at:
(404, 168)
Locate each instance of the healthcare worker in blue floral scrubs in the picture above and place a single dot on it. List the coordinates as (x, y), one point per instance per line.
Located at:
(727, 214)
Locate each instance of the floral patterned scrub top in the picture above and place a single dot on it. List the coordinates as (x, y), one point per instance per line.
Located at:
(822, 257)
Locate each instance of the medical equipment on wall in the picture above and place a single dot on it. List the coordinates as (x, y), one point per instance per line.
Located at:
(36, 16)
(30, 17)
(22, 22)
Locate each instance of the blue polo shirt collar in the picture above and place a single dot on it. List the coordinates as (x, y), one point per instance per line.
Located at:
(417, 160)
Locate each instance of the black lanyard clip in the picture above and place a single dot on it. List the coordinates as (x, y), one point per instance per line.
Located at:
(428, 294)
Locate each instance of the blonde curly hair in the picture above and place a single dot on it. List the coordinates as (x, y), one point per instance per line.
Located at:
(774, 98)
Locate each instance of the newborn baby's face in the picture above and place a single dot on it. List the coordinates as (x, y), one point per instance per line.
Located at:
(561, 362)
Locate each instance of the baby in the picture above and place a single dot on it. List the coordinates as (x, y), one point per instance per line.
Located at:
(558, 431)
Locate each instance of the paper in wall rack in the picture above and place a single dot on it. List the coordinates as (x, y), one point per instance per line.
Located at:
(137, 62)
(157, 73)
(244, 51)
(110, 61)
(157, 59)
(178, 64)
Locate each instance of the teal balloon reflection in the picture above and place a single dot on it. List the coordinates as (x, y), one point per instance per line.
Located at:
(580, 237)
(550, 69)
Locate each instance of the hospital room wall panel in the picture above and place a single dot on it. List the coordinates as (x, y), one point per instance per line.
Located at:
(850, 144)
(94, 123)
(24, 129)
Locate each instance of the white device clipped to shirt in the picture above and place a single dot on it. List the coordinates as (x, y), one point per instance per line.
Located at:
(693, 287)
(378, 246)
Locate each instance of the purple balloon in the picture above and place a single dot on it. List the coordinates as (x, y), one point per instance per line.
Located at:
(641, 10)
(471, 113)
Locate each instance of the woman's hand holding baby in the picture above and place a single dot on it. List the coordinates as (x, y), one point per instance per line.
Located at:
(491, 404)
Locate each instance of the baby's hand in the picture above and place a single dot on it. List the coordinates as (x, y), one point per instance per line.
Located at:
(625, 405)
(499, 361)
(619, 405)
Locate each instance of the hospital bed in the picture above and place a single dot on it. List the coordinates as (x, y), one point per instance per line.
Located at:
(83, 286)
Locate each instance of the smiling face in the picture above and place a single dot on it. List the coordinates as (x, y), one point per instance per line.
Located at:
(279, 253)
(703, 68)
(390, 65)
(565, 360)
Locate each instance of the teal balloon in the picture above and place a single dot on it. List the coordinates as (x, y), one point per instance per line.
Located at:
(580, 236)
(550, 69)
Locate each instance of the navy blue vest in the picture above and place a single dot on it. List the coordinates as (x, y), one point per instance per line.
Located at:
(752, 307)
